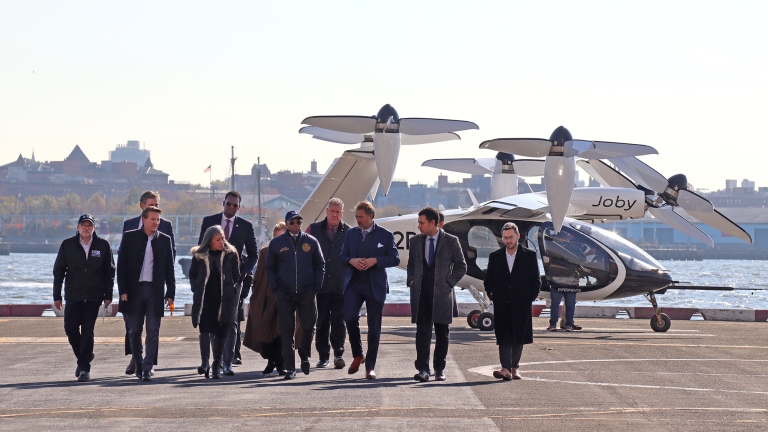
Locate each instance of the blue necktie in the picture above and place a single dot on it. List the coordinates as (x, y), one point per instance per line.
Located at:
(431, 252)
(364, 233)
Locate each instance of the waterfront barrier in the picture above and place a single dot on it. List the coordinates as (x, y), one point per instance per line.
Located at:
(404, 310)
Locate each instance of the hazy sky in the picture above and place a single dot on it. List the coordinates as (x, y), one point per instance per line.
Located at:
(190, 79)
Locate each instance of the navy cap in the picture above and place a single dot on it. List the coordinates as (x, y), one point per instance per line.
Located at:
(86, 217)
(292, 215)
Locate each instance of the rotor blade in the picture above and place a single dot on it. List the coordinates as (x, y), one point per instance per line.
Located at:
(559, 178)
(529, 167)
(613, 150)
(475, 204)
(668, 216)
(426, 139)
(386, 149)
(430, 126)
(604, 174)
(652, 178)
(465, 166)
(575, 147)
(693, 202)
(528, 147)
(717, 220)
(348, 124)
(332, 136)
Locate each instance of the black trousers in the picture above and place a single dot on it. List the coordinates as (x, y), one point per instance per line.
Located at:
(510, 355)
(128, 345)
(217, 340)
(424, 325)
(354, 297)
(79, 320)
(330, 325)
(135, 321)
(288, 305)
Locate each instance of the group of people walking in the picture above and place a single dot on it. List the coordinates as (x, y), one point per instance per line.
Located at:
(308, 285)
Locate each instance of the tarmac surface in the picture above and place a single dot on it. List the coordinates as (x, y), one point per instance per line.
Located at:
(615, 374)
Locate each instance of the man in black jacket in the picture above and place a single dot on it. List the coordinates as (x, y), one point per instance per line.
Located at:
(239, 233)
(147, 199)
(295, 269)
(86, 268)
(144, 270)
(330, 233)
(512, 282)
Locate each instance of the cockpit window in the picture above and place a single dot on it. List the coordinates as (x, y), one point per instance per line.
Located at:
(482, 242)
(572, 259)
(633, 256)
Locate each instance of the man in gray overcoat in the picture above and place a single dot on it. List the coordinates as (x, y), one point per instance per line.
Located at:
(435, 265)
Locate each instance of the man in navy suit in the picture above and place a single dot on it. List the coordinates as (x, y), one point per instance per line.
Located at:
(239, 233)
(368, 250)
(148, 199)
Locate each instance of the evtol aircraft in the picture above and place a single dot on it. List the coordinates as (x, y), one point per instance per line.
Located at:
(559, 224)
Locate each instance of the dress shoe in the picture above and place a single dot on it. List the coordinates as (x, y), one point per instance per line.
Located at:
(516, 375)
(228, 370)
(138, 374)
(237, 362)
(131, 369)
(204, 370)
(573, 327)
(146, 376)
(77, 370)
(439, 375)
(281, 372)
(270, 367)
(289, 375)
(305, 366)
(322, 364)
(370, 374)
(502, 374)
(355, 366)
(422, 376)
(84, 376)
(339, 362)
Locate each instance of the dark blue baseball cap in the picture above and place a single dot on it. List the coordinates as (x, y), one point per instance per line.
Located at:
(292, 215)
(86, 217)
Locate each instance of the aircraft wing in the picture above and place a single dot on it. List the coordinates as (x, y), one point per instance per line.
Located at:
(350, 178)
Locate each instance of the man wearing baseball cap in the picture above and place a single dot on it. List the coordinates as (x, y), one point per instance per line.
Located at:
(86, 269)
(295, 270)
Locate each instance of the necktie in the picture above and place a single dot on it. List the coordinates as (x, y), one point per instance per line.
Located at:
(364, 233)
(431, 252)
(226, 230)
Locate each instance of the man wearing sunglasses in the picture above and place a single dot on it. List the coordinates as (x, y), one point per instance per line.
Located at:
(239, 233)
(295, 270)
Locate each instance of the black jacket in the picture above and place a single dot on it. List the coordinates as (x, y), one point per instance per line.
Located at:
(165, 227)
(295, 269)
(241, 237)
(84, 279)
(199, 273)
(129, 262)
(512, 294)
(335, 270)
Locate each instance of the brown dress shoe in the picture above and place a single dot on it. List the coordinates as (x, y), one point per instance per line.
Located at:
(502, 374)
(355, 366)
(370, 374)
(516, 375)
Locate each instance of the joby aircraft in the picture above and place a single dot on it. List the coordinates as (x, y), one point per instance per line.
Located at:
(575, 254)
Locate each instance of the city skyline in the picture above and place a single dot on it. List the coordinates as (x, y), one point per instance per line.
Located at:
(191, 79)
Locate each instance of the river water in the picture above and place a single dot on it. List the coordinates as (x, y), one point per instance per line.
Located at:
(28, 278)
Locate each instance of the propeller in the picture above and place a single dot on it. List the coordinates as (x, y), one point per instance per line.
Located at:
(560, 165)
(387, 128)
(350, 138)
(674, 192)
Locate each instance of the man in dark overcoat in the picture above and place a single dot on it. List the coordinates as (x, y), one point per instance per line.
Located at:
(144, 272)
(435, 265)
(512, 282)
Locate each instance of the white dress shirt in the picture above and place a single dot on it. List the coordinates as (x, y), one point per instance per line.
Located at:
(510, 259)
(149, 261)
(426, 245)
(86, 246)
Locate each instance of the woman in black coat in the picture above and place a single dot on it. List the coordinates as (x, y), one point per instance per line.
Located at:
(213, 274)
(512, 294)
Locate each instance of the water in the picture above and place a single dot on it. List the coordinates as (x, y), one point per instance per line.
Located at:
(28, 278)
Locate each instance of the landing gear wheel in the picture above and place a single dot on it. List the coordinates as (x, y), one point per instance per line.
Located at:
(486, 321)
(472, 318)
(661, 328)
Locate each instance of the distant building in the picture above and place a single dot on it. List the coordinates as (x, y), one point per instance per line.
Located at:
(129, 152)
(748, 185)
(730, 185)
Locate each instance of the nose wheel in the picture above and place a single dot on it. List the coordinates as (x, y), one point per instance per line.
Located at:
(660, 322)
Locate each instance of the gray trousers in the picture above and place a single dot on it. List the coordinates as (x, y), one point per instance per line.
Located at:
(288, 304)
(135, 322)
(231, 338)
(510, 356)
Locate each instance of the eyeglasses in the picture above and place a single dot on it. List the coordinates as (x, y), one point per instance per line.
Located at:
(229, 204)
(294, 222)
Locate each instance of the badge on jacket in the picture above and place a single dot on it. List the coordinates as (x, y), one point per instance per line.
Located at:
(305, 247)
(96, 253)
(283, 249)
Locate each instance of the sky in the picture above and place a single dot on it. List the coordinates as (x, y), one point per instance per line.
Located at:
(189, 79)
